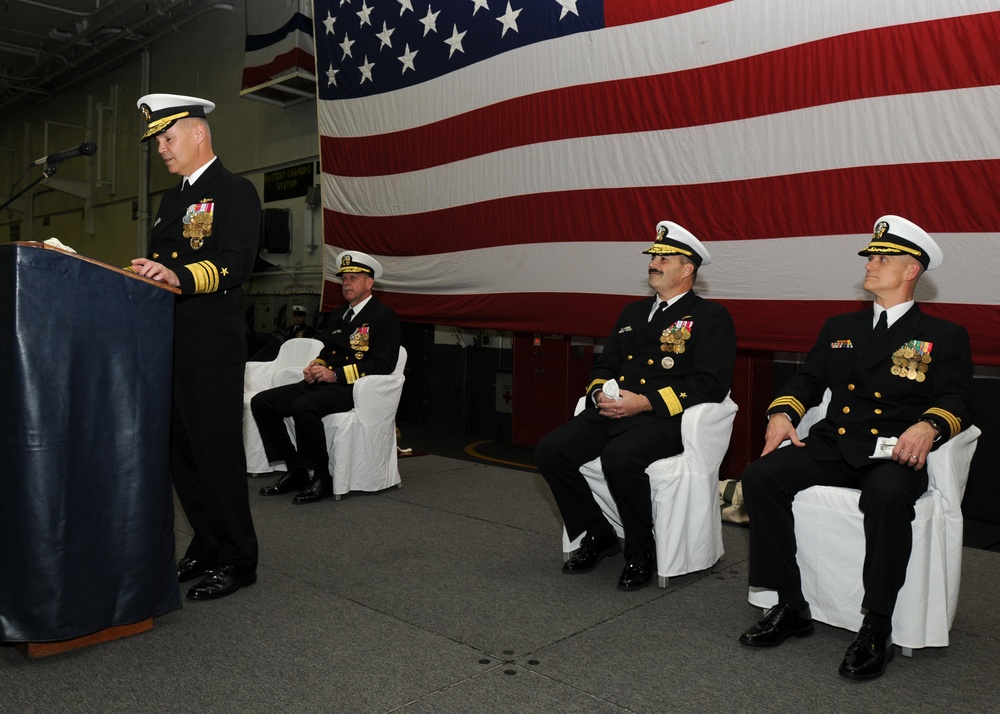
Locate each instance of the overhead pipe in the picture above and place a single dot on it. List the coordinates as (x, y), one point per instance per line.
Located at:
(120, 10)
(97, 69)
(66, 11)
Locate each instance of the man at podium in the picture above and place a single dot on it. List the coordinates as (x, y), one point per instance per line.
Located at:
(204, 241)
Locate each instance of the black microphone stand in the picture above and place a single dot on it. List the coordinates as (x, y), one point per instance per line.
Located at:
(48, 172)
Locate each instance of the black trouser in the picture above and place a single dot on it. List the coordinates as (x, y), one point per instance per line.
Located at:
(624, 458)
(209, 464)
(888, 494)
(307, 404)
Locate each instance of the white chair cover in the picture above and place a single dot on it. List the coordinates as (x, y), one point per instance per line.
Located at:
(286, 368)
(362, 442)
(829, 534)
(687, 521)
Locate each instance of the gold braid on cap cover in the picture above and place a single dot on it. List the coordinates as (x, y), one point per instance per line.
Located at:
(661, 249)
(885, 247)
(155, 127)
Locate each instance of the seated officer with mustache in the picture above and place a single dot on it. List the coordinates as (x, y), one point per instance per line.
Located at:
(667, 353)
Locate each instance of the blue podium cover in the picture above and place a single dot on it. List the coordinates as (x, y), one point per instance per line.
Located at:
(86, 502)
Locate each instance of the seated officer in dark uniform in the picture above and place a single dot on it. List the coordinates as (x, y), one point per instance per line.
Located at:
(666, 353)
(299, 327)
(901, 384)
(363, 339)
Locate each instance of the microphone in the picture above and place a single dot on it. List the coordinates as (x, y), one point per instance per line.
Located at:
(87, 148)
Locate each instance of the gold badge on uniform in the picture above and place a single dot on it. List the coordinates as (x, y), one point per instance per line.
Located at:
(674, 338)
(359, 341)
(198, 222)
(912, 360)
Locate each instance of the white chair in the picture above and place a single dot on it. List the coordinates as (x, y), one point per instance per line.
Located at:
(286, 368)
(687, 522)
(362, 442)
(829, 534)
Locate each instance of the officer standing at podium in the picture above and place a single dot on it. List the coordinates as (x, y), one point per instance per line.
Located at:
(204, 241)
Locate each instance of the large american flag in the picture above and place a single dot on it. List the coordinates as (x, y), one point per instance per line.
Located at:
(508, 160)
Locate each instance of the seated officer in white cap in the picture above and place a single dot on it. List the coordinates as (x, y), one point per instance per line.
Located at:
(299, 326)
(363, 338)
(204, 241)
(667, 353)
(901, 383)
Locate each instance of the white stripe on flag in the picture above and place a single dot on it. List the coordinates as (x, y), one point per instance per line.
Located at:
(843, 135)
(803, 268)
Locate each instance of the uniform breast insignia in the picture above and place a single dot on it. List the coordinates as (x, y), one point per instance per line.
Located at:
(912, 360)
(674, 338)
(627, 328)
(842, 345)
(198, 222)
(359, 341)
(667, 362)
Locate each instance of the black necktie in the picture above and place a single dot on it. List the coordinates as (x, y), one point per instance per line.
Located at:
(659, 308)
(880, 327)
(349, 315)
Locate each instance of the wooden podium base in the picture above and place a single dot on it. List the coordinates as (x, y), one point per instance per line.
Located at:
(34, 650)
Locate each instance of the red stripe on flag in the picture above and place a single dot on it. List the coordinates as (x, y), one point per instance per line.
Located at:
(594, 315)
(624, 12)
(946, 54)
(948, 196)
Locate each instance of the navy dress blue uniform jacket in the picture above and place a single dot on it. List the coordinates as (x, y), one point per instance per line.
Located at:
(207, 459)
(672, 381)
(870, 401)
(921, 367)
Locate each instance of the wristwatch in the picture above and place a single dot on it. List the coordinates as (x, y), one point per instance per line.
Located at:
(934, 423)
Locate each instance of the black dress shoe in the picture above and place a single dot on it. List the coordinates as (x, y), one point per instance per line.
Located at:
(224, 580)
(289, 481)
(639, 570)
(868, 655)
(320, 487)
(191, 568)
(592, 551)
(779, 623)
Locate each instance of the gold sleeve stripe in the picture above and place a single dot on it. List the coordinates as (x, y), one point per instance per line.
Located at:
(671, 400)
(954, 423)
(789, 402)
(594, 384)
(351, 373)
(206, 276)
(321, 362)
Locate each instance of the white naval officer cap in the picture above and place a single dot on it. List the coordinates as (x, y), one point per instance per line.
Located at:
(894, 235)
(672, 239)
(354, 261)
(161, 111)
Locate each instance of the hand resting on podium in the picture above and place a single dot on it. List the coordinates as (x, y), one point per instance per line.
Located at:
(155, 271)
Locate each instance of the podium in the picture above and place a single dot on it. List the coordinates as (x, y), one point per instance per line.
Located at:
(86, 502)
